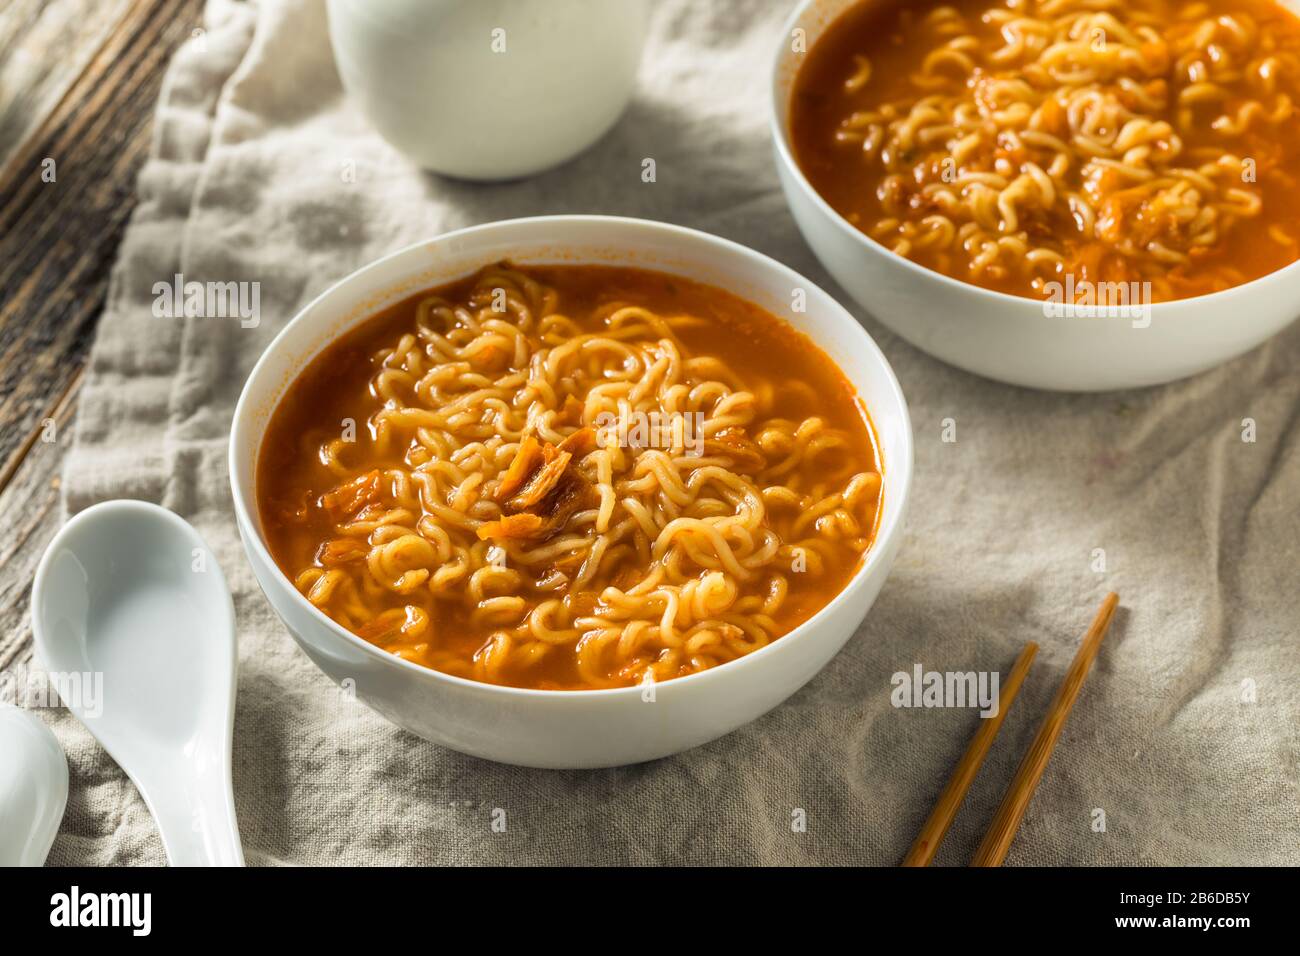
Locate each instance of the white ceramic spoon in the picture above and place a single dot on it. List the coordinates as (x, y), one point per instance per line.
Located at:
(130, 591)
(33, 787)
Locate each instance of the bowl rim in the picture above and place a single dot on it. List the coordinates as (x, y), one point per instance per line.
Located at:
(785, 154)
(884, 544)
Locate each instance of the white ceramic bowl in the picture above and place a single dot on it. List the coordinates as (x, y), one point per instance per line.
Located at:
(593, 728)
(1007, 337)
(489, 91)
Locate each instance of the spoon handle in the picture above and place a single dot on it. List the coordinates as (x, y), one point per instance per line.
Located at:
(196, 819)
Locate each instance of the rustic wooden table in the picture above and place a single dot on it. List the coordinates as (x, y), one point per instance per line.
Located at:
(78, 84)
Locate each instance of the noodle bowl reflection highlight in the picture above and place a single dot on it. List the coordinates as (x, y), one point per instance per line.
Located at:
(570, 477)
(1010, 144)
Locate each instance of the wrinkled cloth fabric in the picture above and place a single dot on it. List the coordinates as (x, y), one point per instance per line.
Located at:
(1028, 507)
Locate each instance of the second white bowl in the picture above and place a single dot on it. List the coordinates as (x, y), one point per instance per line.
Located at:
(1005, 337)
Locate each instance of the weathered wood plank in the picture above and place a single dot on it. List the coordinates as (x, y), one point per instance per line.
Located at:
(44, 46)
(78, 83)
(29, 516)
(58, 239)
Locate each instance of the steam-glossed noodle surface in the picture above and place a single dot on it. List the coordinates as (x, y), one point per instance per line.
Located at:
(1014, 144)
(570, 477)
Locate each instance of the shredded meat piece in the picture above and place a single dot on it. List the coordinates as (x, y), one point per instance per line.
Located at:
(542, 482)
(574, 493)
(540, 491)
(730, 632)
(340, 551)
(527, 459)
(524, 527)
(734, 444)
(581, 443)
(351, 497)
(390, 625)
(570, 564)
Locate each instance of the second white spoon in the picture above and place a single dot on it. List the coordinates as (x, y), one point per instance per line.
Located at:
(129, 591)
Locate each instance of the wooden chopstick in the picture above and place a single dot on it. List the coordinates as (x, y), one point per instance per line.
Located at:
(1007, 819)
(945, 808)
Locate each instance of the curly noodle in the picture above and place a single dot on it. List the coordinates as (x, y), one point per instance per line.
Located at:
(1014, 142)
(486, 499)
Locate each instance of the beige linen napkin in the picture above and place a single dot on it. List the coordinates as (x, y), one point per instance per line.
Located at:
(1185, 737)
